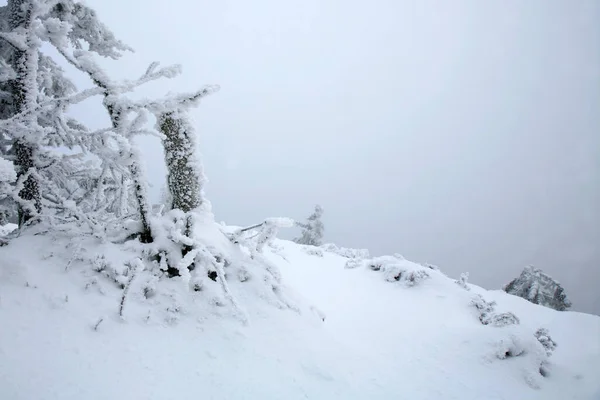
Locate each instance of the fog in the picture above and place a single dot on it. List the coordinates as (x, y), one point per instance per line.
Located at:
(464, 133)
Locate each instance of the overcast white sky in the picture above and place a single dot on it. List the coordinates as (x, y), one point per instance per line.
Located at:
(462, 133)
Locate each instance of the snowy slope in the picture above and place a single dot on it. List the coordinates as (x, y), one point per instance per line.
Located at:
(379, 339)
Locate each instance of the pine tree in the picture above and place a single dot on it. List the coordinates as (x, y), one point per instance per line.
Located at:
(312, 230)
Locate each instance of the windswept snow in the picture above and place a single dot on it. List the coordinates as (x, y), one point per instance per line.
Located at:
(352, 333)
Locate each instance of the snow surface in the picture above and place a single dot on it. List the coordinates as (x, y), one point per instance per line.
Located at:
(358, 333)
(7, 171)
(6, 229)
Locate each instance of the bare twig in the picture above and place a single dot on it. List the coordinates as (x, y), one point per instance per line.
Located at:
(138, 265)
(98, 324)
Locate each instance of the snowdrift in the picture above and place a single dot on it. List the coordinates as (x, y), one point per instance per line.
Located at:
(340, 325)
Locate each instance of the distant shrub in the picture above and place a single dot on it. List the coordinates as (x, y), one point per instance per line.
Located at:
(398, 270)
(430, 266)
(312, 251)
(462, 281)
(346, 252)
(353, 263)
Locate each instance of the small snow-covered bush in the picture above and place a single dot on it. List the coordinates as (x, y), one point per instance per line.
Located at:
(312, 251)
(488, 316)
(398, 270)
(462, 281)
(485, 308)
(430, 266)
(533, 361)
(502, 319)
(412, 278)
(543, 336)
(383, 263)
(346, 252)
(354, 263)
(511, 347)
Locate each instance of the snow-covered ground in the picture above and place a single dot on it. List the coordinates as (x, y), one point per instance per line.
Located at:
(352, 333)
(6, 229)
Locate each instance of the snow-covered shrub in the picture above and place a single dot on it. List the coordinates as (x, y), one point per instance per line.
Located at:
(533, 360)
(346, 252)
(511, 347)
(398, 270)
(502, 319)
(431, 266)
(354, 263)
(484, 307)
(312, 229)
(462, 281)
(312, 251)
(543, 336)
(255, 237)
(412, 278)
(488, 316)
(380, 263)
(118, 275)
(538, 288)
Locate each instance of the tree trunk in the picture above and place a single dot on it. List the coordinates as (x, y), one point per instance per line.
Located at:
(138, 185)
(184, 177)
(23, 150)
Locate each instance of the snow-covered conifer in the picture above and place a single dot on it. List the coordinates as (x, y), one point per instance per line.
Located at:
(312, 229)
(538, 288)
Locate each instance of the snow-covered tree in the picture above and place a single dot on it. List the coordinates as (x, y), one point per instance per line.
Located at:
(312, 229)
(101, 175)
(463, 281)
(22, 91)
(35, 95)
(85, 184)
(538, 288)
